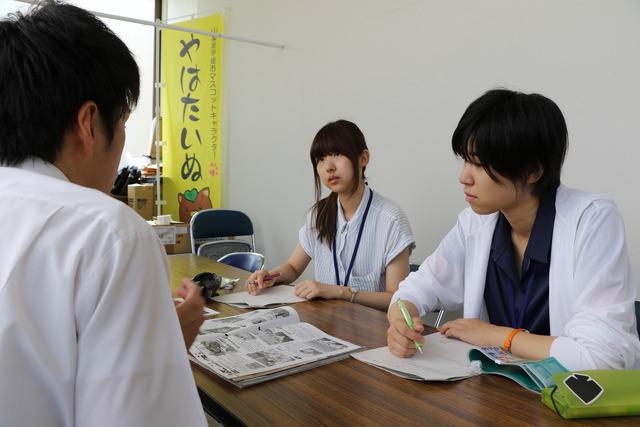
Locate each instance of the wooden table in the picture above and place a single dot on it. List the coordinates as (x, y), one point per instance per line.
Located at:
(350, 392)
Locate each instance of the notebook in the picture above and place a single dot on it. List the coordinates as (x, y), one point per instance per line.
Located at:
(449, 359)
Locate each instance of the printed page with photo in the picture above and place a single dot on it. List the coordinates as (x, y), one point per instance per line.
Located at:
(258, 346)
(252, 319)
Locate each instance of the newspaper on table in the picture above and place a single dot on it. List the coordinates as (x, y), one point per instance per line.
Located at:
(264, 344)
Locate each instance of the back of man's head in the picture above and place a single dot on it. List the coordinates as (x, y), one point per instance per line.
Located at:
(52, 60)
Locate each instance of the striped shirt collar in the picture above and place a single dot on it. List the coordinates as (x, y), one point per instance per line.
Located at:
(356, 218)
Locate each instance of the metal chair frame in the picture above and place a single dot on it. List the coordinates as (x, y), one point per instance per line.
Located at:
(236, 246)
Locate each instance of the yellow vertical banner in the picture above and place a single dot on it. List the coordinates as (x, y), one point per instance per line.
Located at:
(191, 105)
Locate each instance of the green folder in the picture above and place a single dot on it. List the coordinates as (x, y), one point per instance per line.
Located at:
(533, 375)
(596, 393)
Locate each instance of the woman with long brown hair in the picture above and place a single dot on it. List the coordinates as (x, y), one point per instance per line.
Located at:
(360, 242)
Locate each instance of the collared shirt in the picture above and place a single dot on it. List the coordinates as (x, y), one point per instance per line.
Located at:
(385, 235)
(521, 301)
(88, 330)
(592, 289)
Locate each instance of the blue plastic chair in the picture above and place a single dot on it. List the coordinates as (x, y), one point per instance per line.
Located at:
(248, 261)
(216, 226)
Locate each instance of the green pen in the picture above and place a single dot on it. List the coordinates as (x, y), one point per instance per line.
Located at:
(409, 320)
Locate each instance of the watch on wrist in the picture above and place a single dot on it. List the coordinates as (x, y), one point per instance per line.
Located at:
(353, 291)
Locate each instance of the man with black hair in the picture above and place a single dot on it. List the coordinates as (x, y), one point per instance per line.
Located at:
(540, 269)
(88, 330)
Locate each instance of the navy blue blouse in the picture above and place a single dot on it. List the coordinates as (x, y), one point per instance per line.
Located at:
(521, 302)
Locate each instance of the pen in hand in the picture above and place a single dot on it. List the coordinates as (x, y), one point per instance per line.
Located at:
(266, 278)
(409, 320)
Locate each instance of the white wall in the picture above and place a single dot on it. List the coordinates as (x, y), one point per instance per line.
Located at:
(404, 71)
(10, 6)
(139, 39)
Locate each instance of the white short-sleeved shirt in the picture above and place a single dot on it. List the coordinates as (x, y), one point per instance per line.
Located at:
(89, 335)
(386, 233)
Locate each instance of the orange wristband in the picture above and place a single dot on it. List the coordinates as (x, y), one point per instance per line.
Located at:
(506, 345)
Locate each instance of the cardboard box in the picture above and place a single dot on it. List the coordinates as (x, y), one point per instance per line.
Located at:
(175, 237)
(141, 199)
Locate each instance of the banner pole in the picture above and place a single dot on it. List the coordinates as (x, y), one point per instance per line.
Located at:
(159, 24)
(158, 123)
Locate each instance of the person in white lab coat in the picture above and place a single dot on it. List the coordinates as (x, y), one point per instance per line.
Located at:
(89, 334)
(540, 269)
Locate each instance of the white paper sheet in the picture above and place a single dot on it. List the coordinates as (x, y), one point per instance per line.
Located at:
(276, 295)
(442, 359)
(206, 311)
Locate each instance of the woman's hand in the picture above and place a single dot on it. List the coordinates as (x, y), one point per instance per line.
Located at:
(476, 332)
(310, 289)
(256, 282)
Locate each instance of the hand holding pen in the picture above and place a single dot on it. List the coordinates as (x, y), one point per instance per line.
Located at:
(260, 280)
(404, 336)
(409, 321)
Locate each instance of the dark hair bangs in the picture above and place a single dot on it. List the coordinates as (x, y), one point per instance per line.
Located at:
(325, 144)
(514, 135)
(339, 137)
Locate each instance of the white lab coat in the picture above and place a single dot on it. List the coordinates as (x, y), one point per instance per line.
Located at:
(591, 287)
